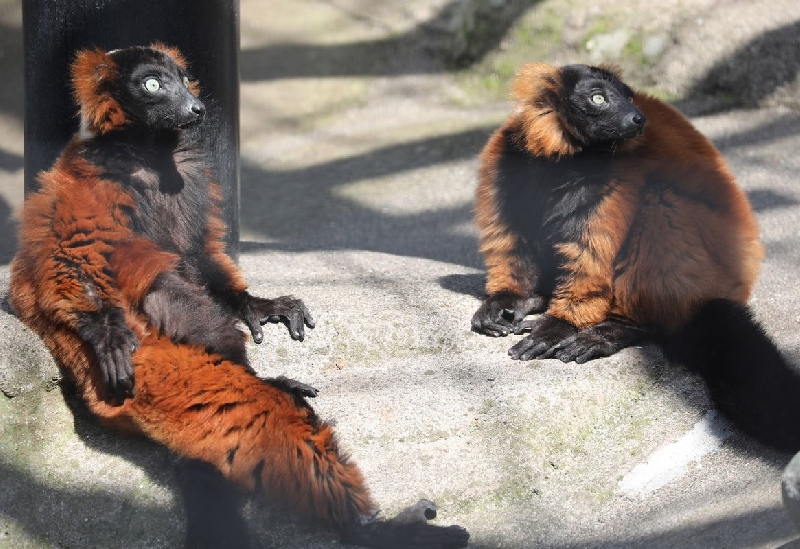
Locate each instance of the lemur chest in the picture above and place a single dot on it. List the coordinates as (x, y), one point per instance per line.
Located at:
(172, 207)
(167, 182)
(548, 203)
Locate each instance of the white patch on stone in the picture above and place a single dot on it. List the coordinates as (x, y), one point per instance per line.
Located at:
(670, 462)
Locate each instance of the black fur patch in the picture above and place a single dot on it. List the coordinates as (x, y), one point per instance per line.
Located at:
(185, 313)
(168, 181)
(213, 517)
(548, 202)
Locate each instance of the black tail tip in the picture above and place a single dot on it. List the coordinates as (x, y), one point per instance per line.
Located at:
(748, 378)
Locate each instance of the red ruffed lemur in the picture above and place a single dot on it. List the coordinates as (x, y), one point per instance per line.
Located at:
(605, 210)
(121, 271)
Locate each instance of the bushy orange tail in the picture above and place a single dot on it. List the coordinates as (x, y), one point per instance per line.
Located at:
(258, 434)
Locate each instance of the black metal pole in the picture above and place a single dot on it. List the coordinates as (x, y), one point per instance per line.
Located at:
(206, 32)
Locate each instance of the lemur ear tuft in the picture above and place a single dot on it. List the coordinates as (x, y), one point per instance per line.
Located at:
(172, 51)
(616, 70)
(536, 83)
(93, 74)
(538, 88)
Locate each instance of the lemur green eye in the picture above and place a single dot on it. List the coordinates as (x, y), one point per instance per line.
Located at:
(598, 99)
(186, 81)
(152, 85)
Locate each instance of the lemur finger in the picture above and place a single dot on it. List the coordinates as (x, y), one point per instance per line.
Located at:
(255, 329)
(296, 325)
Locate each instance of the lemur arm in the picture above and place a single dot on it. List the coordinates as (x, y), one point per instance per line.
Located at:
(226, 284)
(78, 285)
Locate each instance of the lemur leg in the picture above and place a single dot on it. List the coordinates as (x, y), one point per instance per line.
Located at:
(185, 314)
(213, 508)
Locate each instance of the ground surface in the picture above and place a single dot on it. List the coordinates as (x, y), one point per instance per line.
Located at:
(359, 137)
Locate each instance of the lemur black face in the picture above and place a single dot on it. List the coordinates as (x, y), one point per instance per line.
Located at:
(598, 106)
(154, 90)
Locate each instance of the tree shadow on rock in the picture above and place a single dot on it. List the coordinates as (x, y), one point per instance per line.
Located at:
(750, 74)
(302, 209)
(787, 126)
(8, 233)
(80, 518)
(768, 199)
(755, 528)
(11, 67)
(460, 34)
(10, 162)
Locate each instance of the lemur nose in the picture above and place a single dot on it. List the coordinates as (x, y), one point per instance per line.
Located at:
(199, 109)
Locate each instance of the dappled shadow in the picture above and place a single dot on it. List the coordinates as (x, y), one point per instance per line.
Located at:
(751, 529)
(781, 128)
(708, 485)
(148, 455)
(94, 517)
(8, 233)
(429, 47)
(98, 519)
(757, 528)
(81, 518)
(11, 104)
(750, 74)
(785, 253)
(10, 162)
(303, 209)
(768, 199)
(300, 209)
(11, 67)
